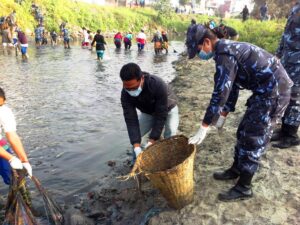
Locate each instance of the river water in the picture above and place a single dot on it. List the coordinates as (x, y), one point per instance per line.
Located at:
(68, 110)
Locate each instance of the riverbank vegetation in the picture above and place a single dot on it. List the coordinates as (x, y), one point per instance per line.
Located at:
(110, 19)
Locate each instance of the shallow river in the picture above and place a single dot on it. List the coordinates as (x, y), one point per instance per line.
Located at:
(68, 108)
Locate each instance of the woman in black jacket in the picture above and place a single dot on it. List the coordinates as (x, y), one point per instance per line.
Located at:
(100, 42)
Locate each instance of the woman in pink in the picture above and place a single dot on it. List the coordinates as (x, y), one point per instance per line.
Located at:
(118, 40)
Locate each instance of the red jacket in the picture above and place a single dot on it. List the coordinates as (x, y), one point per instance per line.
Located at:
(141, 40)
(118, 36)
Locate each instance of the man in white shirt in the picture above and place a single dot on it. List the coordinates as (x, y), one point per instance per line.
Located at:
(141, 40)
(8, 125)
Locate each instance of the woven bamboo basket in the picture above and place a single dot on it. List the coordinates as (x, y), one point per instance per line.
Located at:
(169, 165)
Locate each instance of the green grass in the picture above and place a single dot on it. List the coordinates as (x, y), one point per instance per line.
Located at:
(112, 19)
(265, 34)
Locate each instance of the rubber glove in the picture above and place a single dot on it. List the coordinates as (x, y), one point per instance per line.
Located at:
(28, 167)
(199, 136)
(148, 144)
(15, 163)
(137, 151)
(220, 122)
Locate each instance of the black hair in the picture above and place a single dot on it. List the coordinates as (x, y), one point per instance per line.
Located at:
(212, 34)
(2, 94)
(98, 31)
(193, 21)
(130, 71)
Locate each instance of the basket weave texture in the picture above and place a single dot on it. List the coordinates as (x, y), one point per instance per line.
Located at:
(169, 165)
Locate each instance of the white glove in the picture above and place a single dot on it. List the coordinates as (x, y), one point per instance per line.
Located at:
(148, 144)
(220, 122)
(15, 163)
(28, 167)
(137, 151)
(199, 136)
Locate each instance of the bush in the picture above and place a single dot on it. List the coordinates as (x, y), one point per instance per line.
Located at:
(266, 34)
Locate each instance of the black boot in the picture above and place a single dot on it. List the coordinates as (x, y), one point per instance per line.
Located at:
(290, 137)
(277, 135)
(229, 174)
(241, 191)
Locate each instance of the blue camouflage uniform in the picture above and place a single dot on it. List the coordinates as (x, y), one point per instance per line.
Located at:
(245, 66)
(189, 42)
(289, 53)
(65, 32)
(38, 34)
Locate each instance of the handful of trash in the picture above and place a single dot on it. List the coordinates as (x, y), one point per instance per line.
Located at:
(19, 209)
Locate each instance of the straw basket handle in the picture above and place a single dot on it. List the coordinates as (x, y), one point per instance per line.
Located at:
(136, 170)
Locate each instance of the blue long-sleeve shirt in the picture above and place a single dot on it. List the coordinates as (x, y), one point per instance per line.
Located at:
(241, 66)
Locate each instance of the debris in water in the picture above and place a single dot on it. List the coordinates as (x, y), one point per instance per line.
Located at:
(111, 163)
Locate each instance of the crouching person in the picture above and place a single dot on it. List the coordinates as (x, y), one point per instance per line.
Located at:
(156, 102)
(7, 160)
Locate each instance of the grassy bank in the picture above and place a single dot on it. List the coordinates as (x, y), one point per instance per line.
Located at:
(265, 34)
(111, 19)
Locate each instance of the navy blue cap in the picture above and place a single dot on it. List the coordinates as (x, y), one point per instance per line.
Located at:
(195, 34)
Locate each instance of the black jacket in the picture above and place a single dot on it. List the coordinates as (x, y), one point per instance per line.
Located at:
(156, 99)
(100, 42)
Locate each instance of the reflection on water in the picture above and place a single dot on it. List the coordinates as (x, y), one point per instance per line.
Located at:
(68, 108)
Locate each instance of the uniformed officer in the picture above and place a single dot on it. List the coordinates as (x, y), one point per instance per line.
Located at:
(241, 66)
(289, 53)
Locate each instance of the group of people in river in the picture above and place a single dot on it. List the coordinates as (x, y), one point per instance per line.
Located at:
(274, 81)
(14, 37)
(160, 40)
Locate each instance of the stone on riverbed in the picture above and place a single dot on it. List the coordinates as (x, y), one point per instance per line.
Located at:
(75, 217)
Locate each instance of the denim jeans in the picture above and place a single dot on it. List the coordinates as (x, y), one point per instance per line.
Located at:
(146, 122)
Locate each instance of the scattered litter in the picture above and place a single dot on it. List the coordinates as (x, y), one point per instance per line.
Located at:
(151, 212)
(19, 209)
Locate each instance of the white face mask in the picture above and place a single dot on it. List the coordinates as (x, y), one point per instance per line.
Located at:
(136, 92)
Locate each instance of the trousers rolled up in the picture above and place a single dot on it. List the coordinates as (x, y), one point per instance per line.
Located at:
(146, 122)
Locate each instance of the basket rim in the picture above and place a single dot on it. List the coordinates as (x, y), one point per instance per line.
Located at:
(174, 167)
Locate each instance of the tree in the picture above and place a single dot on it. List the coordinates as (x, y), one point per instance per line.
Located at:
(164, 8)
